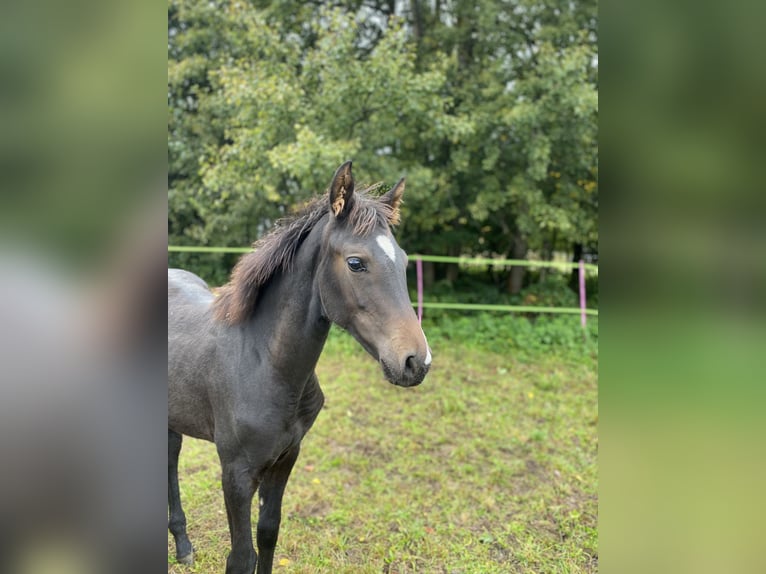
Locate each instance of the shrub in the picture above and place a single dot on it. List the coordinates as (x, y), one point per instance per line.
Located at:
(520, 335)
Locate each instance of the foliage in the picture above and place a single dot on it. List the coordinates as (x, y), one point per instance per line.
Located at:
(523, 335)
(489, 107)
(478, 286)
(524, 338)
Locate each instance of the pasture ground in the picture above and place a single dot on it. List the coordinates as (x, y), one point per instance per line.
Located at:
(490, 466)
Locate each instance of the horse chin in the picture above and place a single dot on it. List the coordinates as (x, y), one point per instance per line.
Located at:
(402, 380)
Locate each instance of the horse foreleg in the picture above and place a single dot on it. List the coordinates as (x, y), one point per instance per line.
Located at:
(270, 499)
(238, 489)
(176, 516)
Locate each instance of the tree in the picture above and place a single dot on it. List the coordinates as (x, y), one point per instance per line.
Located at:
(202, 36)
(489, 107)
(524, 80)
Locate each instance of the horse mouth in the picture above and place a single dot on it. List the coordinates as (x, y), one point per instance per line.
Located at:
(408, 379)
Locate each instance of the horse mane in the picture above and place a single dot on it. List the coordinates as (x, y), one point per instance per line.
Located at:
(275, 252)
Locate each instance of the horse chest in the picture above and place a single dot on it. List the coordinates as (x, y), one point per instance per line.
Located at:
(307, 409)
(279, 421)
(305, 413)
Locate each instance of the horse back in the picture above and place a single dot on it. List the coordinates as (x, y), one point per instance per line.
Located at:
(191, 354)
(184, 285)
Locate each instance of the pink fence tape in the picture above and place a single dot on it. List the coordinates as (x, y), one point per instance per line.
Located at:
(582, 293)
(419, 269)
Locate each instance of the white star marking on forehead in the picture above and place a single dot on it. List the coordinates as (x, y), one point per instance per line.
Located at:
(387, 246)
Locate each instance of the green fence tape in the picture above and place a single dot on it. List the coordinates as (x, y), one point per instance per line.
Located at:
(446, 259)
(517, 308)
(193, 249)
(429, 258)
(490, 261)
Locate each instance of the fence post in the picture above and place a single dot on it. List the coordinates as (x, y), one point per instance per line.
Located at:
(582, 293)
(419, 271)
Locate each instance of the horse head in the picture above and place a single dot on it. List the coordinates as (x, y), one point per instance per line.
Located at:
(363, 283)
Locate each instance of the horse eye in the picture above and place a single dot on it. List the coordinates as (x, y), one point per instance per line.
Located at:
(355, 264)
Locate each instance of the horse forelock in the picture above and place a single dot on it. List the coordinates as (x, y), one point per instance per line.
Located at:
(275, 252)
(367, 214)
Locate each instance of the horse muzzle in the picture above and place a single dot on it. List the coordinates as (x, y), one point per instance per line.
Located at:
(408, 372)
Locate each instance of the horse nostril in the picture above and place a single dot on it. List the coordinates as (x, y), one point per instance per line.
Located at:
(410, 364)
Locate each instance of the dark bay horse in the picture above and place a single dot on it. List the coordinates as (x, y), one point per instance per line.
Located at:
(241, 365)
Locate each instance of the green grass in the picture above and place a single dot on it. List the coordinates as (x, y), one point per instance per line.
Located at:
(488, 467)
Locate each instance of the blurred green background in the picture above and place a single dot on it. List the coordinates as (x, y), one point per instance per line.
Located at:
(84, 94)
(683, 277)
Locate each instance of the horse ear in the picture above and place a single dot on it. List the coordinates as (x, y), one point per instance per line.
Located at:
(341, 189)
(393, 197)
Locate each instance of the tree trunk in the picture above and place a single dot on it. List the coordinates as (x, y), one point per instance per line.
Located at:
(574, 278)
(465, 26)
(417, 21)
(519, 251)
(429, 274)
(546, 255)
(452, 268)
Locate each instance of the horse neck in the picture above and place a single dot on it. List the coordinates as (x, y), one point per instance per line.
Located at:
(291, 314)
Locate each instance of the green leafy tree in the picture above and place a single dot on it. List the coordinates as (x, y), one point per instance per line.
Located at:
(489, 107)
(202, 36)
(524, 82)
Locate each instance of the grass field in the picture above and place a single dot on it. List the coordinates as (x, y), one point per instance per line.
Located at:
(489, 466)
